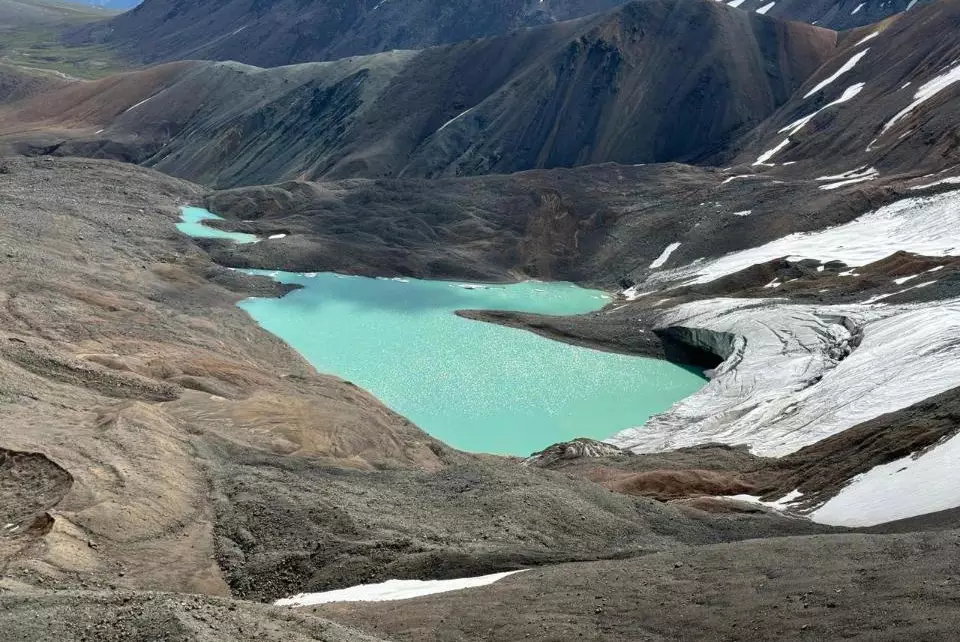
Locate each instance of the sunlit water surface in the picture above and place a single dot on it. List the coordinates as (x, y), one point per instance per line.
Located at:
(476, 386)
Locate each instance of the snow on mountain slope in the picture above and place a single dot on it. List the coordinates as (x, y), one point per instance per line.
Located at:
(924, 225)
(911, 486)
(664, 256)
(848, 94)
(847, 66)
(926, 91)
(638, 84)
(904, 120)
(792, 376)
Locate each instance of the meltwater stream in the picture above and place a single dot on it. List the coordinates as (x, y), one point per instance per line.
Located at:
(477, 386)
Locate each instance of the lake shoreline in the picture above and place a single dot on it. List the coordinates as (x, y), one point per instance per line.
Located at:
(585, 330)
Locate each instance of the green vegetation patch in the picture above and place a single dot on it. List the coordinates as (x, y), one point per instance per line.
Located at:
(30, 39)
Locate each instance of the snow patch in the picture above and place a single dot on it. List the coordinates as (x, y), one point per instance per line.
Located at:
(733, 178)
(858, 8)
(660, 260)
(770, 153)
(276, 236)
(743, 213)
(765, 8)
(904, 279)
(953, 180)
(847, 66)
(852, 181)
(139, 103)
(924, 225)
(879, 297)
(458, 116)
(859, 172)
(868, 38)
(391, 590)
(867, 175)
(849, 93)
(633, 293)
(926, 91)
(781, 504)
(908, 487)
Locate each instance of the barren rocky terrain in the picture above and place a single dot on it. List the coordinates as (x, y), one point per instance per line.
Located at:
(180, 448)
(838, 587)
(771, 202)
(183, 454)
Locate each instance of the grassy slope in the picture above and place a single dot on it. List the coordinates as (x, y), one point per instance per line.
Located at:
(29, 39)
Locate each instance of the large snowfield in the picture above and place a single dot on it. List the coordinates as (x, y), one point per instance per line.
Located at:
(790, 382)
(915, 485)
(926, 225)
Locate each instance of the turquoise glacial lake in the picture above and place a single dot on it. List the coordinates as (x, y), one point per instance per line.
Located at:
(191, 224)
(477, 386)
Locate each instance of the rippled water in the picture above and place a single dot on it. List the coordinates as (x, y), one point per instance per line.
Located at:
(476, 386)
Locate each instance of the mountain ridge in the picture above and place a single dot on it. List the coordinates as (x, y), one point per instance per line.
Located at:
(286, 32)
(638, 84)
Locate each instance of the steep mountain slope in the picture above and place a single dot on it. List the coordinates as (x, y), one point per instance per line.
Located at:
(653, 81)
(279, 33)
(885, 104)
(282, 32)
